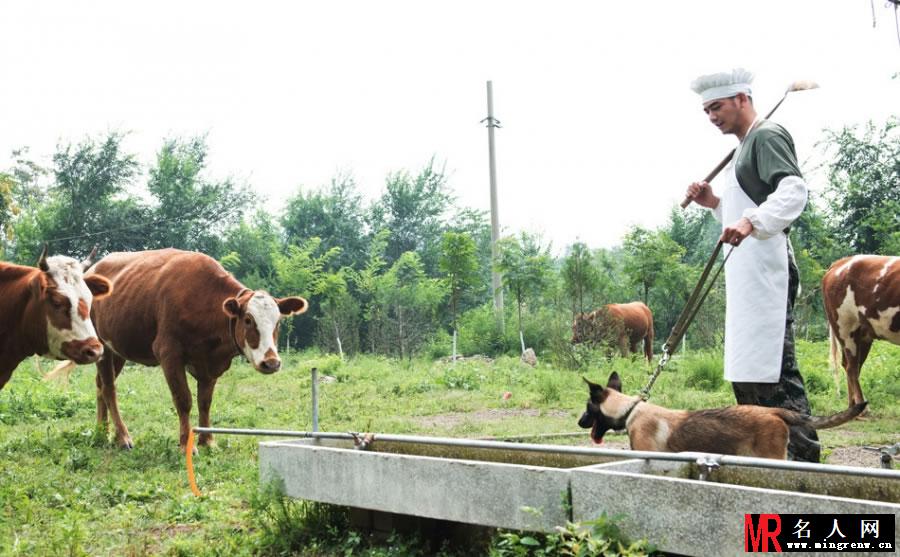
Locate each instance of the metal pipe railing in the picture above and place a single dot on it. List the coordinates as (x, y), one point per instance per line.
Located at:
(688, 457)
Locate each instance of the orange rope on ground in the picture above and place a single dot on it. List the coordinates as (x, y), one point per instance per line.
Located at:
(189, 453)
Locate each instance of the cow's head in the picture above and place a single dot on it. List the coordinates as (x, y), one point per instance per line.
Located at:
(578, 328)
(64, 295)
(256, 316)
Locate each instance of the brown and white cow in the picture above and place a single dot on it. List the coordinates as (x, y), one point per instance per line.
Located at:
(46, 311)
(862, 303)
(620, 325)
(182, 311)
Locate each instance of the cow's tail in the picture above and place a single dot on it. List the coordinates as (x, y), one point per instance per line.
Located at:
(648, 344)
(833, 360)
(61, 372)
(823, 422)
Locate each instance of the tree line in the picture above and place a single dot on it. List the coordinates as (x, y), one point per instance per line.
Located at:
(400, 274)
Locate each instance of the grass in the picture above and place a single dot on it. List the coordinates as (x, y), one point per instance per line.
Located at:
(65, 489)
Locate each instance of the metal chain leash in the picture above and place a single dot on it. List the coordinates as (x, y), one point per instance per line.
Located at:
(691, 307)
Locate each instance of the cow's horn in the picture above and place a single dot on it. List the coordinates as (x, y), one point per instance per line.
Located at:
(89, 261)
(42, 260)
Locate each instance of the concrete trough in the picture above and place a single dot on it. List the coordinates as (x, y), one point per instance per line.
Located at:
(666, 503)
(662, 501)
(497, 488)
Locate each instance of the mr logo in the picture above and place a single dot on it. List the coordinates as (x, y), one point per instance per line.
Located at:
(759, 529)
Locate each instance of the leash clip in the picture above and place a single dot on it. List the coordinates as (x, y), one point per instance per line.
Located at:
(664, 359)
(362, 442)
(706, 465)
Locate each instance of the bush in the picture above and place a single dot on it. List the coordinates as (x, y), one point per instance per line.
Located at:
(440, 346)
(704, 370)
(479, 333)
(548, 386)
(462, 378)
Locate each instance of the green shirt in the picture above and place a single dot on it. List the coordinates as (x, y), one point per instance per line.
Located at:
(766, 156)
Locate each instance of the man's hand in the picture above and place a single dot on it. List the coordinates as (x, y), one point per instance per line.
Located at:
(701, 193)
(736, 233)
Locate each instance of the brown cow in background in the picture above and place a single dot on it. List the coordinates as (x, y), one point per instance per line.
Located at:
(620, 325)
(862, 302)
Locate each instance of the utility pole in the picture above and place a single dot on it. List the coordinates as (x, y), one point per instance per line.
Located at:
(496, 286)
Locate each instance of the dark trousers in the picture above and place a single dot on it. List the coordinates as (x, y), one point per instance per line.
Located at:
(789, 391)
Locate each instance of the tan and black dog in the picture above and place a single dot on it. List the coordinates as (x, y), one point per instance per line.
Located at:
(744, 430)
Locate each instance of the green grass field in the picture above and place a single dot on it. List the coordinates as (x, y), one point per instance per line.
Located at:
(66, 490)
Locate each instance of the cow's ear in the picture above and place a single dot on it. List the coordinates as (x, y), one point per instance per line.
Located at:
(614, 382)
(38, 285)
(292, 305)
(232, 307)
(99, 286)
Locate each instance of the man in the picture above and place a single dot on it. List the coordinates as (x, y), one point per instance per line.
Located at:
(763, 193)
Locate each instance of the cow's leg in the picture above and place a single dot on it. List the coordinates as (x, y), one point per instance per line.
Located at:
(108, 369)
(173, 369)
(623, 344)
(634, 345)
(853, 367)
(205, 389)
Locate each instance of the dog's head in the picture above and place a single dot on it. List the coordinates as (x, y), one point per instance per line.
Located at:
(594, 417)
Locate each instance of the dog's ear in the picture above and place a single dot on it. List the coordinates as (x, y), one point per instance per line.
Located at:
(598, 393)
(614, 382)
(592, 386)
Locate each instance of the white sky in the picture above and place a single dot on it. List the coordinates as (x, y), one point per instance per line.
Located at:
(600, 129)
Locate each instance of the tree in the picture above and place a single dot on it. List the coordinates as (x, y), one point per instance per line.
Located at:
(250, 249)
(191, 211)
(7, 206)
(474, 224)
(863, 192)
(334, 214)
(409, 301)
(339, 311)
(22, 193)
(413, 209)
(459, 264)
(695, 230)
(580, 276)
(366, 282)
(299, 272)
(526, 268)
(647, 255)
(87, 202)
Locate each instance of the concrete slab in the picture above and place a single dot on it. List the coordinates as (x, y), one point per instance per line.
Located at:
(693, 517)
(662, 501)
(488, 493)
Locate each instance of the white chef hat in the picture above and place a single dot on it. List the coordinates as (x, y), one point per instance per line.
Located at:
(722, 85)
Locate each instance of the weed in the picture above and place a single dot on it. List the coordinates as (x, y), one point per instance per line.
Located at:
(463, 378)
(548, 387)
(598, 537)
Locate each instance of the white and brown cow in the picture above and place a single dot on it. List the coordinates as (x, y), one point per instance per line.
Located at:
(46, 311)
(182, 311)
(862, 303)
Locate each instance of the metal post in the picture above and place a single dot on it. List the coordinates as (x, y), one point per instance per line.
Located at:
(496, 286)
(315, 399)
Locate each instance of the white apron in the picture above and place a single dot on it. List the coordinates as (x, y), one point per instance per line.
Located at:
(756, 288)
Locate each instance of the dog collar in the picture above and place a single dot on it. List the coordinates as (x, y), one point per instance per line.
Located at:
(631, 409)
